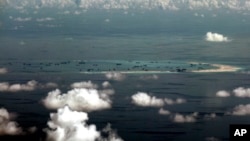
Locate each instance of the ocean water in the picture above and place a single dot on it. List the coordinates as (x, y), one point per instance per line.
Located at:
(147, 47)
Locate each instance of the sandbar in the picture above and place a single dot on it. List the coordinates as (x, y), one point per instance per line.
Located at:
(220, 68)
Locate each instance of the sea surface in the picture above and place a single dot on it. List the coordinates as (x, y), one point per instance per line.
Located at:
(157, 50)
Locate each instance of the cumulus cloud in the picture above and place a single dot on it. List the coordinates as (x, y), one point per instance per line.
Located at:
(106, 84)
(84, 84)
(216, 37)
(107, 88)
(3, 70)
(145, 100)
(115, 76)
(169, 101)
(49, 85)
(164, 112)
(19, 19)
(210, 116)
(44, 19)
(194, 4)
(240, 110)
(238, 92)
(106, 92)
(80, 99)
(222, 93)
(8, 127)
(68, 125)
(29, 86)
(242, 92)
(179, 118)
(112, 135)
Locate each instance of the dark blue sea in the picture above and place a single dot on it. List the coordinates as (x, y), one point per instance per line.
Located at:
(155, 51)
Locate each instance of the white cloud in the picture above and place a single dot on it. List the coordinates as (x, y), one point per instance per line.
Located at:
(180, 101)
(80, 99)
(84, 84)
(222, 93)
(106, 84)
(242, 92)
(3, 70)
(112, 135)
(54, 3)
(44, 19)
(68, 125)
(19, 19)
(210, 116)
(29, 86)
(4, 86)
(143, 99)
(179, 118)
(169, 101)
(205, 4)
(115, 76)
(8, 127)
(164, 112)
(107, 92)
(238, 92)
(216, 37)
(241, 110)
(49, 85)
